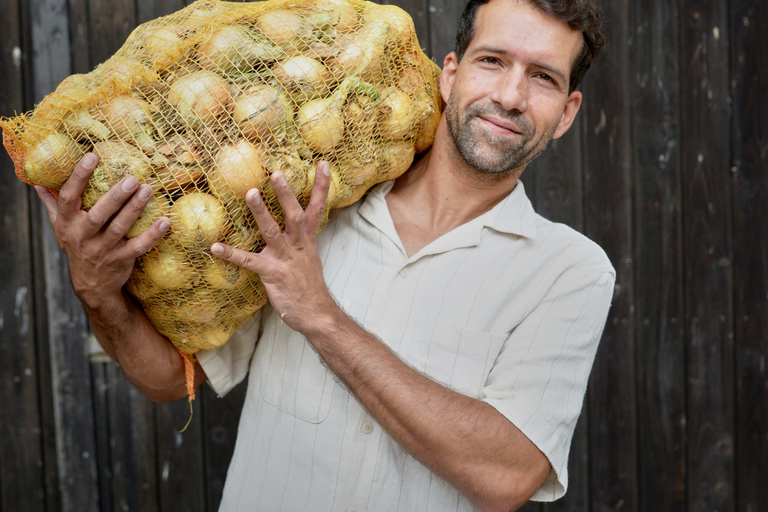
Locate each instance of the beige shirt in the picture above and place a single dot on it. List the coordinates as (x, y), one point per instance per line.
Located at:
(507, 308)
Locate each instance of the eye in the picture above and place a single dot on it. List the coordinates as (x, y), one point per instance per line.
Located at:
(545, 77)
(489, 60)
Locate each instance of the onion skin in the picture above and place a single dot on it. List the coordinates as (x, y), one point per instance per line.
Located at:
(394, 159)
(396, 114)
(167, 266)
(343, 14)
(238, 168)
(130, 118)
(261, 112)
(125, 71)
(306, 78)
(181, 163)
(364, 54)
(198, 220)
(157, 207)
(224, 275)
(51, 160)
(234, 47)
(200, 97)
(401, 28)
(284, 28)
(321, 123)
(116, 160)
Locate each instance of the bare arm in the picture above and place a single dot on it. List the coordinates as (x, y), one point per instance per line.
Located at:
(464, 440)
(100, 263)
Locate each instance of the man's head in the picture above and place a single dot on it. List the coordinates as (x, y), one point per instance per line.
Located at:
(582, 15)
(511, 90)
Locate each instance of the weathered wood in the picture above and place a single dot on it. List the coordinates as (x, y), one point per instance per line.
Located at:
(100, 386)
(22, 481)
(608, 221)
(132, 445)
(443, 19)
(221, 416)
(658, 259)
(706, 139)
(150, 9)
(180, 465)
(749, 58)
(110, 23)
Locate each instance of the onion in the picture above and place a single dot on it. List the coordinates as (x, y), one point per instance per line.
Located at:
(364, 54)
(223, 274)
(199, 219)
(394, 159)
(238, 168)
(305, 77)
(262, 112)
(401, 29)
(81, 124)
(163, 41)
(140, 286)
(50, 161)
(157, 207)
(116, 160)
(203, 12)
(343, 14)
(396, 114)
(284, 28)
(337, 191)
(126, 71)
(198, 306)
(321, 123)
(425, 133)
(201, 336)
(234, 47)
(181, 162)
(130, 118)
(167, 266)
(200, 97)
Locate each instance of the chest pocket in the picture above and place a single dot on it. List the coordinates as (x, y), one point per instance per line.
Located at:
(462, 358)
(293, 378)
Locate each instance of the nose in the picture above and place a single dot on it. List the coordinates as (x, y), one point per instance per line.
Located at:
(512, 90)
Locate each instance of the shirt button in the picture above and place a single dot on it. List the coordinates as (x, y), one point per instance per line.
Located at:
(367, 428)
(405, 271)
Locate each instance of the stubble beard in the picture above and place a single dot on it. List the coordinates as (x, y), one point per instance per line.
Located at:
(493, 157)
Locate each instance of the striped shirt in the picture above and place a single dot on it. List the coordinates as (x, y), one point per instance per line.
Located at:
(507, 308)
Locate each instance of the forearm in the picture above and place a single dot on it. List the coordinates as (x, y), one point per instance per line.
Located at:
(145, 356)
(462, 439)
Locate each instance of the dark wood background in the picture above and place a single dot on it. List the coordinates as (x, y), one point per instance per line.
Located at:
(666, 170)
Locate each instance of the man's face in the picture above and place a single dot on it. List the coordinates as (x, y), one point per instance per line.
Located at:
(508, 97)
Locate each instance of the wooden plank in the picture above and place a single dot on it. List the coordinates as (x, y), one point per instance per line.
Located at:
(132, 445)
(220, 419)
(180, 463)
(705, 129)
(608, 221)
(100, 385)
(658, 259)
(443, 20)
(150, 9)
(67, 328)
(110, 23)
(22, 479)
(749, 58)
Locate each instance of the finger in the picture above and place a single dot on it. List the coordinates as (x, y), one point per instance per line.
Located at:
(294, 213)
(269, 229)
(51, 203)
(127, 215)
(69, 194)
(109, 204)
(248, 260)
(135, 247)
(317, 201)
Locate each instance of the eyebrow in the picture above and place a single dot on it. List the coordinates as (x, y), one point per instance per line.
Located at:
(501, 51)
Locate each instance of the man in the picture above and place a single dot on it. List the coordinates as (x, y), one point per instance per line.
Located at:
(430, 349)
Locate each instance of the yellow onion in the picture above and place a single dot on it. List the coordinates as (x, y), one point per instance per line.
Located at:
(238, 168)
(203, 12)
(200, 336)
(198, 306)
(116, 160)
(321, 123)
(167, 266)
(363, 54)
(50, 161)
(80, 123)
(343, 14)
(284, 27)
(223, 274)
(130, 118)
(125, 71)
(338, 190)
(199, 219)
(163, 41)
(396, 114)
(157, 207)
(141, 286)
(262, 112)
(181, 162)
(234, 47)
(425, 132)
(200, 97)
(303, 76)
(394, 159)
(401, 29)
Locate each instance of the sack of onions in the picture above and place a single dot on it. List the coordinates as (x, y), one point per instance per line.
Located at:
(207, 103)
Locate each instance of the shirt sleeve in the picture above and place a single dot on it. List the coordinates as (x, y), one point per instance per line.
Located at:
(540, 377)
(228, 365)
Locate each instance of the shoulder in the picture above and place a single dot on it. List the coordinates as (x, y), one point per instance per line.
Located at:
(572, 251)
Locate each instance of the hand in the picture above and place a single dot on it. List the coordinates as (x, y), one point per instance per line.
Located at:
(289, 265)
(100, 258)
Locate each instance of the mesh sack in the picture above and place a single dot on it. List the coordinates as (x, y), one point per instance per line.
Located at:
(208, 102)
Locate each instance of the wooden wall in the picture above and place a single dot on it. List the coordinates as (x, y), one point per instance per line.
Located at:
(667, 170)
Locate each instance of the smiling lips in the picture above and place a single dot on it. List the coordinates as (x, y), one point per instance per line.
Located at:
(500, 126)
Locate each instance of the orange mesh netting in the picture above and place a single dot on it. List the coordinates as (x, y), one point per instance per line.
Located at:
(207, 103)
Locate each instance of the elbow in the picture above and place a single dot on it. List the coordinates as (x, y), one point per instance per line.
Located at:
(511, 490)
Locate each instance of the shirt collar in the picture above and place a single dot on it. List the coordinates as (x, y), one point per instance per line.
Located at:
(513, 215)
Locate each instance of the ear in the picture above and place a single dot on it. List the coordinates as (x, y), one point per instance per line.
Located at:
(450, 66)
(569, 114)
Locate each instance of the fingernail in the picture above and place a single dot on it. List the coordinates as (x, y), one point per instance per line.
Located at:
(281, 179)
(145, 192)
(326, 170)
(255, 197)
(89, 160)
(217, 249)
(164, 225)
(129, 184)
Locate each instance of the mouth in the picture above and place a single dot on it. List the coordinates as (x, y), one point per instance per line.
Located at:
(500, 126)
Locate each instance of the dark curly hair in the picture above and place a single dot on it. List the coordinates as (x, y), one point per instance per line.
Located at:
(582, 15)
